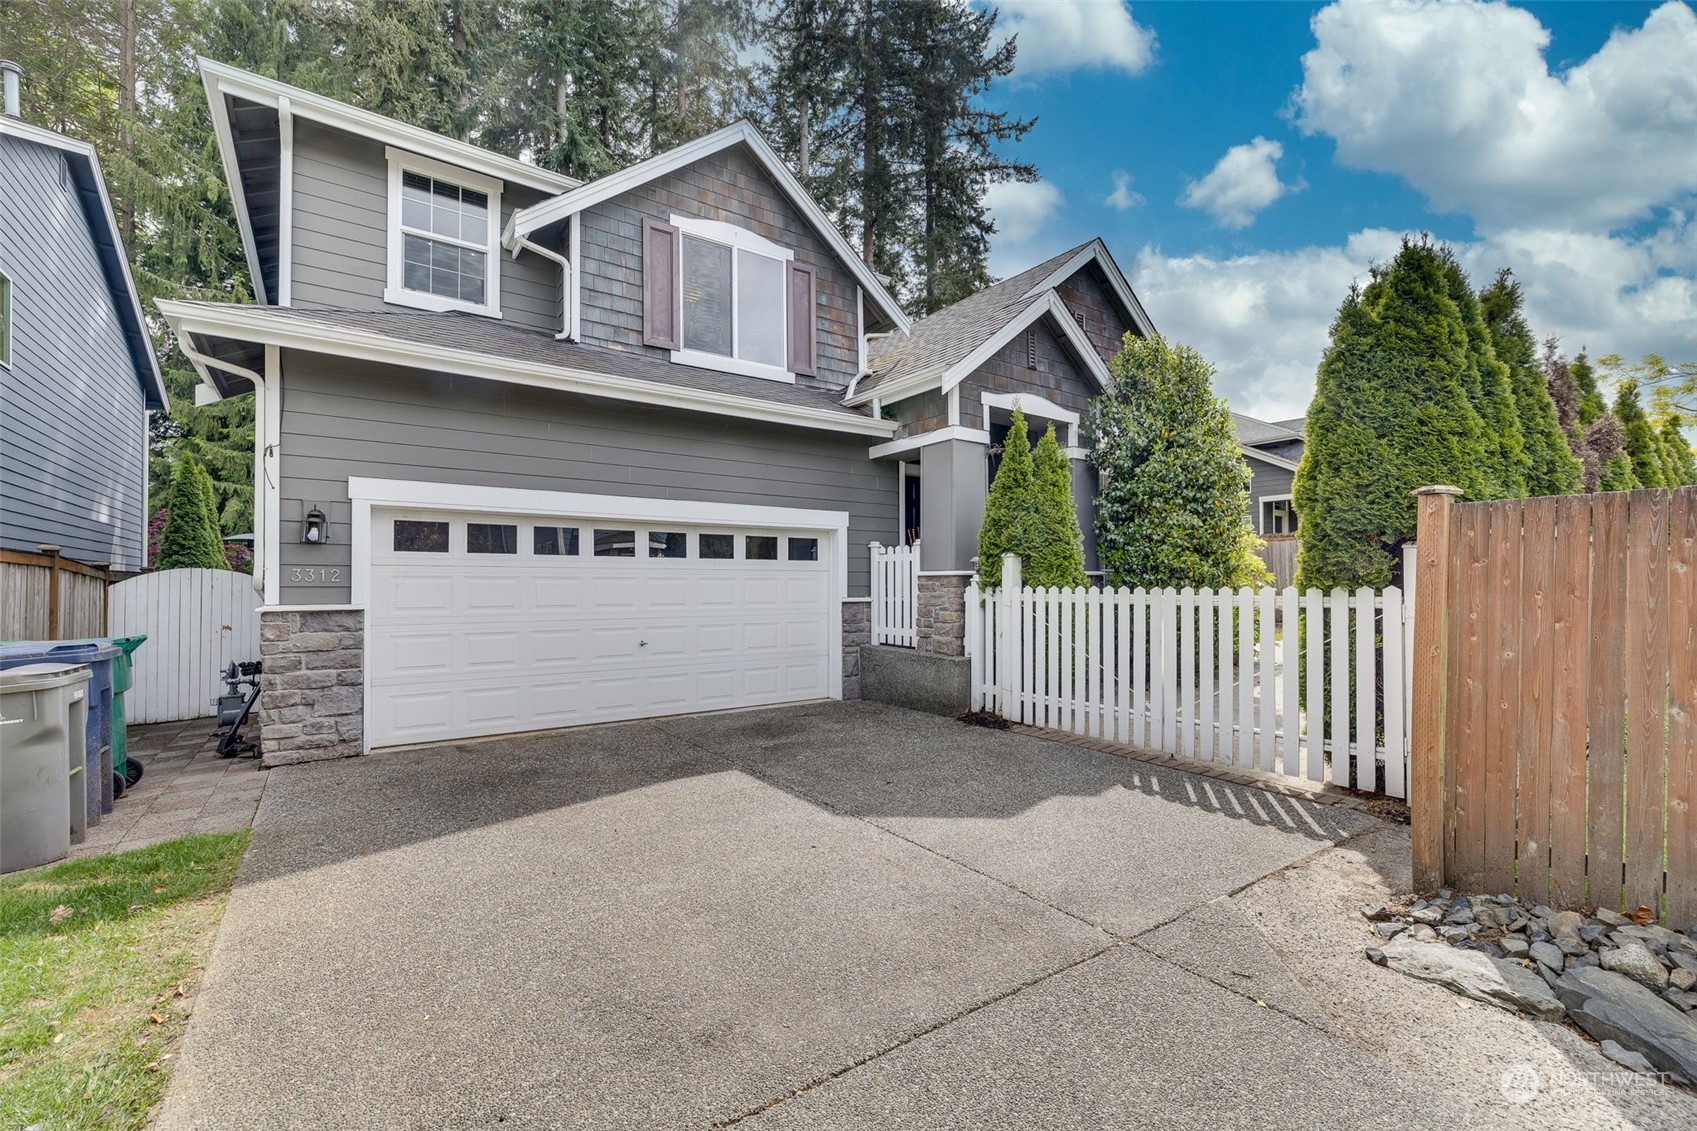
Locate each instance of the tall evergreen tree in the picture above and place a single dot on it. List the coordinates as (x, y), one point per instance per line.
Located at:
(191, 539)
(951, 62)
(1057, 552)
(1391, 413)
(1551, 466)
(693, 75)
(1174, 498)
(805, 82)
(1679, 463)
(1643, 446)
(1592, 405)
(1502, 471)
(1009, 525)
(1607, 440)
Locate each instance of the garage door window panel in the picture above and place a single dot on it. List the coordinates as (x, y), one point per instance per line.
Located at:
(414, 537)
(668, 544)
(555, 541)
(761, 547)
(718, 547)
(804, 549)
(615, 543)
(491, 538)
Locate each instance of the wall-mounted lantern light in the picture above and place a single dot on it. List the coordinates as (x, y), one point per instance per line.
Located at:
(315, 528)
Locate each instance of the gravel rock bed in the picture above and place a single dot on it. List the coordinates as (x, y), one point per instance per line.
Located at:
(1625, 980)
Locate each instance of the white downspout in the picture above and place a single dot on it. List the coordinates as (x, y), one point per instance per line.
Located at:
(566, 281)
(261, 423)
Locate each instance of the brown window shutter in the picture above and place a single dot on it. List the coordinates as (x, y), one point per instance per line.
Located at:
(803, 324)
(659, 285)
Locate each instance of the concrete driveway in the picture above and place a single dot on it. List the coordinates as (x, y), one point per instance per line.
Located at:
(837, 915)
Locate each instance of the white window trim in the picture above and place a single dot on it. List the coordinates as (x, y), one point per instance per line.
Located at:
(1261, 512)
(738, 239)
(400, 161)
(1035, 406)
(6, 315)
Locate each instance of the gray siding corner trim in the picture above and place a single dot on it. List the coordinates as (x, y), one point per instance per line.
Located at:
(345, 419)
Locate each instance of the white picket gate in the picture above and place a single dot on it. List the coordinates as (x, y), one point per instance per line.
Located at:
(1261, 679)
(895, 594)
(196, 622)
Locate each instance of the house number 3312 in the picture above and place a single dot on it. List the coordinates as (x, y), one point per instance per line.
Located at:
(311, 574)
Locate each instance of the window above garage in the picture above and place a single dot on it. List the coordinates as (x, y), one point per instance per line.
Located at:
(444, 237)
(722, 297)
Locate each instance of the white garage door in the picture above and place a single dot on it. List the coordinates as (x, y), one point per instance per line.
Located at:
(491, 624)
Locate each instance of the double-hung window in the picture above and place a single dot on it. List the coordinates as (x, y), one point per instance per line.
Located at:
(5, 319)
(732, 299)
(444, 231)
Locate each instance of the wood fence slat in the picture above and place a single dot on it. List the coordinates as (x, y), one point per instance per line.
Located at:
(1290, 726)
(1338, 732)
(1394, 696)
(1245, 678)
(1265, 684)
(1646, 696)
(1139, 667)
(1606, 702)
(1187, 670)
(1570, 649)
(1533, 729)
(1366, 685)
(1502, 679)
(1206, 669)
(1227, 673)
(1471, 660)
(1682, 709)
(1314, 647)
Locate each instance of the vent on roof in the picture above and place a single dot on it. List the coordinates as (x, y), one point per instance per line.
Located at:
(1031, 348)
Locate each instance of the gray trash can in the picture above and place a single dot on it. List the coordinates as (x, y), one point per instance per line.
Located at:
(43, 760)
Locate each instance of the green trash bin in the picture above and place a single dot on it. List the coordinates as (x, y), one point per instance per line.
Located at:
(123, 678)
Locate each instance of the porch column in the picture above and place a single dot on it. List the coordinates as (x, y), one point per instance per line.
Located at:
(952, 490)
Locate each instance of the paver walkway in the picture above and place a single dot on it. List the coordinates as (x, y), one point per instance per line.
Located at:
(185, 788)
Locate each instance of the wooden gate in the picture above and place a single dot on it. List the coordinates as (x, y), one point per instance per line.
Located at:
(1555, 710)
(196, 621)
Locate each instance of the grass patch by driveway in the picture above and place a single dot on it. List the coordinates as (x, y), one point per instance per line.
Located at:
(98, 960)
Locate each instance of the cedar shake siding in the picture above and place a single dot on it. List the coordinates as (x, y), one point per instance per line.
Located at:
(73, 425)
(1095, 310)
(1057, 377)
(925, 412)
(729, 187)
(349, 418)
(341, 233)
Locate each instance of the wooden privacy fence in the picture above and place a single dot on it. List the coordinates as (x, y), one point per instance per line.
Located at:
(1555, 748)
(197, 621)
(1312, 685)
(895, 594)
(1278, 554)
(47, 597)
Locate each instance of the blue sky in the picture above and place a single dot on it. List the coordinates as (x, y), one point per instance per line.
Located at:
(1247, 161)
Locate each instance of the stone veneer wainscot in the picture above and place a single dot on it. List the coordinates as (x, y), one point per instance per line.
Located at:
(312, 691)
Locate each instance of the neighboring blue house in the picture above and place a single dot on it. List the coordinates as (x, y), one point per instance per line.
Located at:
(77, 371)
(1273, 448)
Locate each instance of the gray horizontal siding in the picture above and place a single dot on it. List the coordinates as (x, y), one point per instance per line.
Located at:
(341, 236)
(729, 187)
(1266, 481)
(345, 418)
(72, 422)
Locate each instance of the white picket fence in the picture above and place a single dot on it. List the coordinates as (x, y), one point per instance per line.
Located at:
(196, 621)
(1262, 679)
(895, 594)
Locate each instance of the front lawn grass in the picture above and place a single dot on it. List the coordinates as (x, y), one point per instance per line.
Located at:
(99, 959)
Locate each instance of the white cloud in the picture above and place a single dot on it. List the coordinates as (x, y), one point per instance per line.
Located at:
(1122, 199)
(1063, 35)
(1242, 183)
(1021, 208)
(1263, 319)
(1459, 100)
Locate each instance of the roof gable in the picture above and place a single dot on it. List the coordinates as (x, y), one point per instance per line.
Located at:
(90, 185)
(524, 221)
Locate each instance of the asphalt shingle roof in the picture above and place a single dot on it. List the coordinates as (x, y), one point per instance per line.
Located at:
(473, 333)
(946, 338)
(1255, 432)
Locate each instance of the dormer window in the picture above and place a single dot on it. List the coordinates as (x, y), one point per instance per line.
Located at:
(721, 297)
(443, 231)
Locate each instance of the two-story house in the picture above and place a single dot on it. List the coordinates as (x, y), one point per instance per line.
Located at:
(533, 453)
(77, 371)
(1273, 449)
